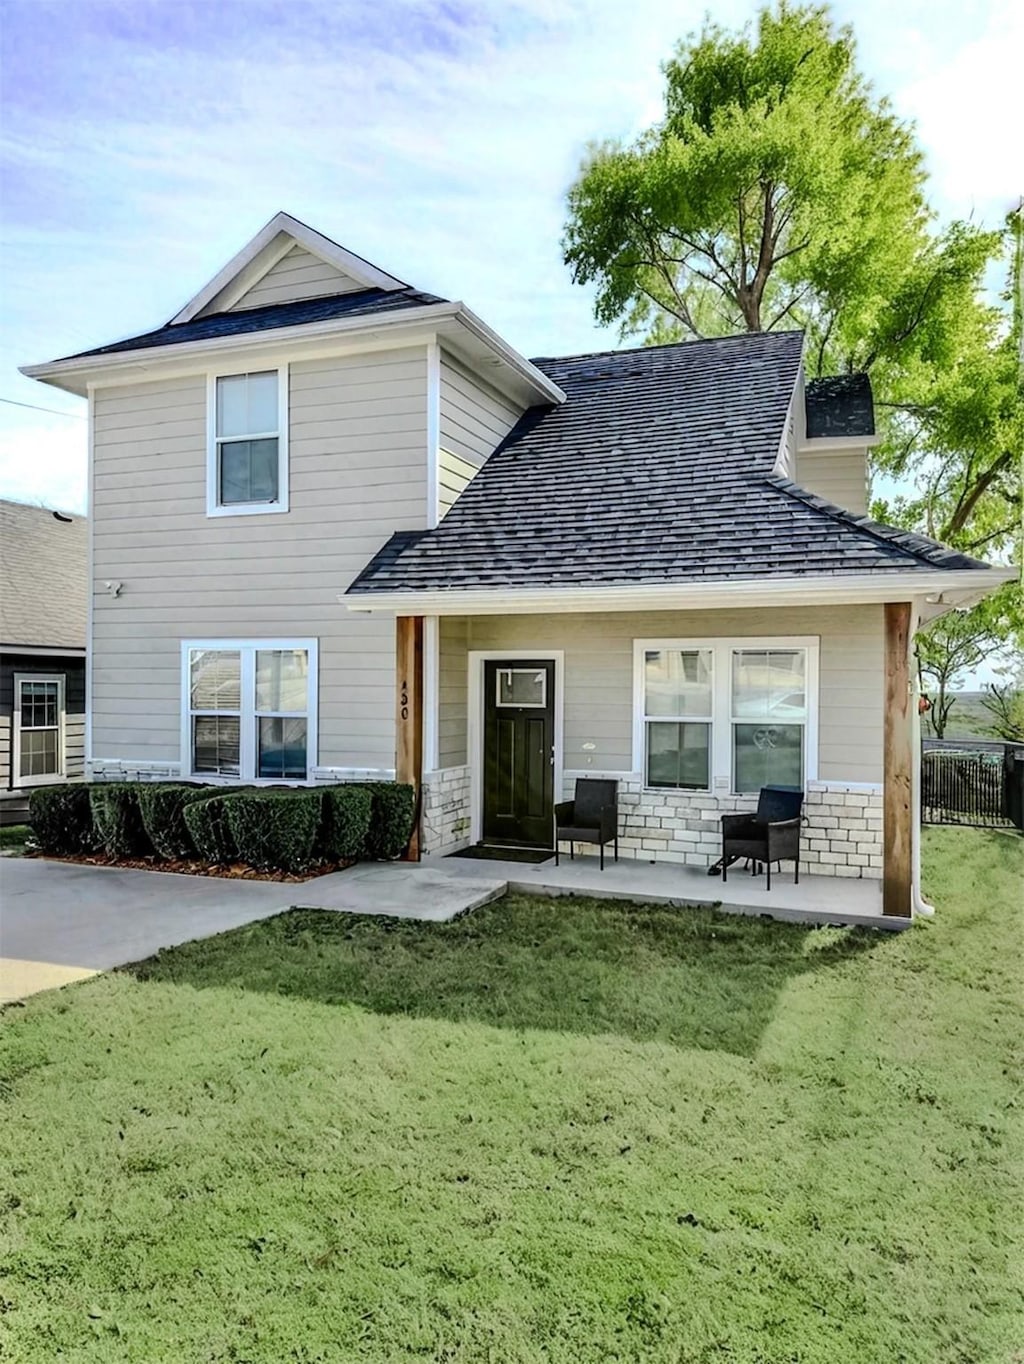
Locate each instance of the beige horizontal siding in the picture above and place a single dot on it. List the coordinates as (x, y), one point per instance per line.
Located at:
(599, 676)
(840, 477)
(297, 275)
(454, 473)
(452, 691)
(475, 417)
(358, 433)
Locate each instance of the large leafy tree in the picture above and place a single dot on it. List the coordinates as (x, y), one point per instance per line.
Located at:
(780, 191)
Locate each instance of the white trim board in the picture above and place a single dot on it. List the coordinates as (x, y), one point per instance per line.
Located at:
(938, 590)
(476, 658)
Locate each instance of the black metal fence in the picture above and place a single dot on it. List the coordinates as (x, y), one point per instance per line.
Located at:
(972, 782)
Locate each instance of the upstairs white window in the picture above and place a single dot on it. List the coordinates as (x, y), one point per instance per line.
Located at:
(247, 469)
(726, 714)
(250, 709)
(38, 725)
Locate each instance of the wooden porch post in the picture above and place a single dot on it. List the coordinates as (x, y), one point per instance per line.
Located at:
(897, 833)
(409, 717)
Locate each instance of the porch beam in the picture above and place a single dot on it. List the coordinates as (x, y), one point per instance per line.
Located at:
(897, 832)
(409, 718)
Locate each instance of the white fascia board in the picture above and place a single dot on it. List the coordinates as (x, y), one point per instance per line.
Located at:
(827, 445)
(76, 374)
(302, 235)
(939, 588)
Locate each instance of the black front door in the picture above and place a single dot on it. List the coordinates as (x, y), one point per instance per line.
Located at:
(519, 746)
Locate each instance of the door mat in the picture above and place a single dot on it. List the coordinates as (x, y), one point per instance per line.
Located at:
(486, 854)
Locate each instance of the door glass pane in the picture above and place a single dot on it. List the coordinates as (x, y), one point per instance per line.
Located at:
(216, 679)
(769, 684)
(281, 679)
(39, 750)
(247, 404)
(215, 744)
(248, 471)
(282, 748)
(522, 687)
(677, 682)
(767, 755)
(678, 754)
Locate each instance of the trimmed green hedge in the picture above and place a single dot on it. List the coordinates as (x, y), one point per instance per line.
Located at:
(162, 806)
(276, 830)
(346, 822)
(61, 819)
(118, 821)
(390, 820)
(180, 820)
(208, 828)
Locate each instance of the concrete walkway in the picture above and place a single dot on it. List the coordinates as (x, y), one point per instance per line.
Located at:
(60, 921)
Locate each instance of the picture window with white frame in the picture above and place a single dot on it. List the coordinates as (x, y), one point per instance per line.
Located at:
(726, 713)
(248, 465)
(250, 709)
(38, 728)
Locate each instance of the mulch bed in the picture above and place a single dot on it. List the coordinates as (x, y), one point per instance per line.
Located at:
(237, 871)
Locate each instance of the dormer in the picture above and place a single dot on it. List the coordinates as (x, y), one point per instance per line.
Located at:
(831, 428)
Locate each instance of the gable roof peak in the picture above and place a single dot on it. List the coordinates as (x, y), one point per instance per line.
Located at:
(261, 254)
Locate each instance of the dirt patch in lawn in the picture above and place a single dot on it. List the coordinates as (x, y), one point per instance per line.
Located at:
(235, 871)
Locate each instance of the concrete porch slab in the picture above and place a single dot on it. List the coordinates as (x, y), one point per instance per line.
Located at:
(816, 900)
(424, 890)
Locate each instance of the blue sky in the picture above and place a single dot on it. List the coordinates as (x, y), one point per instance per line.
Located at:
(144, 141)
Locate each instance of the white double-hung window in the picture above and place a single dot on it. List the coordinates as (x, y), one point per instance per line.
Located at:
(726, 714)
(247, 459)
(250, 709)
(38, 729)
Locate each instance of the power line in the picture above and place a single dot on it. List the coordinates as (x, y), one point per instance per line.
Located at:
(78, 416)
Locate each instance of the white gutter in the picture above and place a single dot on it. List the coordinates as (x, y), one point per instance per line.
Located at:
(942, 589)
(80, 370)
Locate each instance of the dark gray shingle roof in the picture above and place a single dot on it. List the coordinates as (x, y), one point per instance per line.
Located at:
(840, 405)
(364, 303)
(658, 468)
(43, 577)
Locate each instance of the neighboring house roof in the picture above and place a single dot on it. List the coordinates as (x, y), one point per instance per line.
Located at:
(840, 405)
(43, 577)
(658, 468)
(363, 303)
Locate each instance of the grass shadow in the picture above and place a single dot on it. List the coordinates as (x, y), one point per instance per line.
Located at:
(688, 977)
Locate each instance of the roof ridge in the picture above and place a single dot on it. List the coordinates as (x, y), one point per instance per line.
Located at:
(667, 345)
(920, 547)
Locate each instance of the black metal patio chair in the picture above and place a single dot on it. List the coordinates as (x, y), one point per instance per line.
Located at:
(770, 835)
(592, 817)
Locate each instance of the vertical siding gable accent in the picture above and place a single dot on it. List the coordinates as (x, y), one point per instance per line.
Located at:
(297, 275)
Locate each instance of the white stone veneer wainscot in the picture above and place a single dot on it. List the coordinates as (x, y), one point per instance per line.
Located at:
(445, 825)
(841, 834)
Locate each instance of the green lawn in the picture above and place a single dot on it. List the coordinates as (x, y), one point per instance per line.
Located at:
(13, 838)
(552, 1131)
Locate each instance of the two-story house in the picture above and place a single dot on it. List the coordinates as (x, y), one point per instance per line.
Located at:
(342, 528)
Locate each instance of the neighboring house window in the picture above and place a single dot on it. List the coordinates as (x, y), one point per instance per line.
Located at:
(38, 729)
(250, 709)
(248, 455)
(726, 714)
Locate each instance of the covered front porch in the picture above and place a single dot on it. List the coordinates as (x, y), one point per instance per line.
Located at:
(815, 900)
(853, 688)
